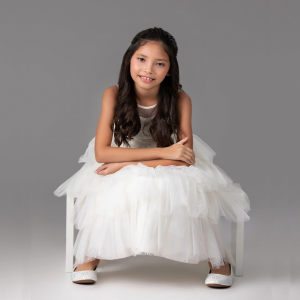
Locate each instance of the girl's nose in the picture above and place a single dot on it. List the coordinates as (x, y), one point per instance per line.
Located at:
(148, 69)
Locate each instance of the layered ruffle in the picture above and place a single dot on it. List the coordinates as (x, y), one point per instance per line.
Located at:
(169, 211)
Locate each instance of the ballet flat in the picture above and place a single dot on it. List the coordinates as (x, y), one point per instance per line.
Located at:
(86, 276)
(219, 280)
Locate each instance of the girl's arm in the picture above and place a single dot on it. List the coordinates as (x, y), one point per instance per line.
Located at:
(185, 124)
(156, 162)
(185, 118)
(104, 153)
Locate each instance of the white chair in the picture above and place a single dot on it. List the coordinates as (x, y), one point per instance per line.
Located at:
(237, 240)
(69, 233)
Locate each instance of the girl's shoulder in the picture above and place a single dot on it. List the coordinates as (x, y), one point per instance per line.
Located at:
(112, 91)
(114, 88)
(109, 97)
(184, 100)
(183, 96)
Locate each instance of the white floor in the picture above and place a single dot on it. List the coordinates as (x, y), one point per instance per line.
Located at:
(34, 265)
(154, 277)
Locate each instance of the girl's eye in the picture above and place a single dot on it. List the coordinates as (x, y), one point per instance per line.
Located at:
(161, 64)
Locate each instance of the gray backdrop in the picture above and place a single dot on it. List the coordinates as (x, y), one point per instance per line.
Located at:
(239, 62)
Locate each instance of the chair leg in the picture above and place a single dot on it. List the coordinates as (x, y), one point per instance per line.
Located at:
(69, 233)
(237, 239)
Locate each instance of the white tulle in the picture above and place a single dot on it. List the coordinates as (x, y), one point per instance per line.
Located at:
(167, 211)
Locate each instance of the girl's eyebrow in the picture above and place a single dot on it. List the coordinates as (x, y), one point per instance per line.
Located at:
(147, 56)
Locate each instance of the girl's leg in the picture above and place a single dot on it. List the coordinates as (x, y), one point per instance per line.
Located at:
(88, 265)
(223, 270)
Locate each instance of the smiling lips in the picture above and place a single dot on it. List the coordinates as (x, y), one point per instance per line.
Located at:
(146, 79)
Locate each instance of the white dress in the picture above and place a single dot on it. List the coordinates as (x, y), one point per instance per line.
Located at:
(167, 211)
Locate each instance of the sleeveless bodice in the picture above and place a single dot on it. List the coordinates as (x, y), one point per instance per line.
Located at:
(143, 139)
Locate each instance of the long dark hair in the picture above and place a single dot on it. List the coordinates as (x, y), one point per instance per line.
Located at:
(165, 123)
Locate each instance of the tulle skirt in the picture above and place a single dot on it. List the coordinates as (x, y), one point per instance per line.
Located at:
(167, 211)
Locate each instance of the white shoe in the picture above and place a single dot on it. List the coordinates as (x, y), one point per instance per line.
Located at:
(87, 276)
(219, 280)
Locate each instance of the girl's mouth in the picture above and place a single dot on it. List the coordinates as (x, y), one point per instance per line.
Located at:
(146, 79)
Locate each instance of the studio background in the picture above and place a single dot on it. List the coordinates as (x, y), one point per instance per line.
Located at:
(239, 62)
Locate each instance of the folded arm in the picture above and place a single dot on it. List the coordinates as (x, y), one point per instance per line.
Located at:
(158, 162)
(122, 154)
(105, 153)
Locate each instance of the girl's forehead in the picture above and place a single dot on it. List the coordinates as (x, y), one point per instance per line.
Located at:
(157, 44)
(152, 49)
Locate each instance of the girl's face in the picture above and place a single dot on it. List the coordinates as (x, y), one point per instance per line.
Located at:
(149, 65)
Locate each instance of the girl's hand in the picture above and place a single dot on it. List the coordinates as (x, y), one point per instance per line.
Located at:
(110, 168)
(180, 152)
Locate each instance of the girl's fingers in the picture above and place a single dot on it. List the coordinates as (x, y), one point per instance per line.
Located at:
(99, 170)
(188, 151)
(187, 159)
(190, 155)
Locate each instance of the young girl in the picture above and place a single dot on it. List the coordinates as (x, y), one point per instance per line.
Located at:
(148, 185)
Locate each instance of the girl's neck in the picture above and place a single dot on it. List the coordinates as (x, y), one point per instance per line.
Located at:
(146, 103)
(146, 97)
(147, 100)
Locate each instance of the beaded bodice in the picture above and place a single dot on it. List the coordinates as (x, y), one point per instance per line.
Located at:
(143, 139)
